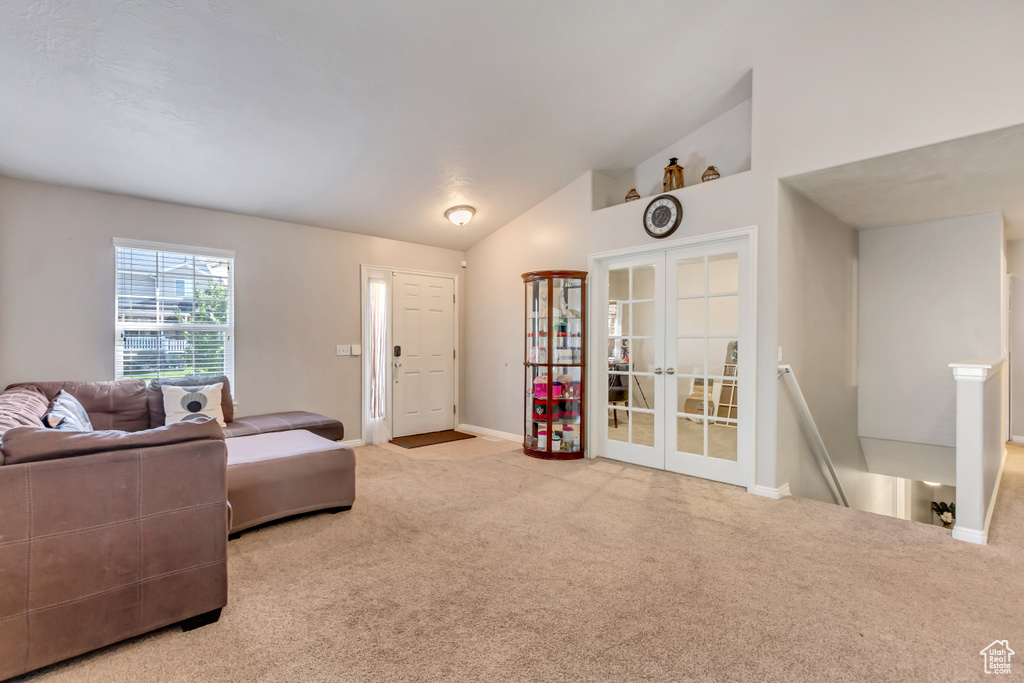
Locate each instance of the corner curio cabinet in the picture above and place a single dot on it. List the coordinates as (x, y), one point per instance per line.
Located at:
(556, 353)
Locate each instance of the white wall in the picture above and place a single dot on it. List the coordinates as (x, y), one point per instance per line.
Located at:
(930, 295)
(297, 293)
(1015, 267)
(723, 142)
(818, 302)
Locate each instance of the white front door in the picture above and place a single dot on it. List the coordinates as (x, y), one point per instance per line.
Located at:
(677, 330)
(423, 357)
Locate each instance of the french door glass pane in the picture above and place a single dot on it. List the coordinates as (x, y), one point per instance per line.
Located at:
(724, 315)
(641, 392)
(723, 273)
(618, 319)
(618, 284)
(691, 318)
(691, 277)
(618, 425)
(641, 354)
(643, 283)
(690, 356)
(722, 440)
(690, 435)
(718, 355)
(643, 319)
(643, 428)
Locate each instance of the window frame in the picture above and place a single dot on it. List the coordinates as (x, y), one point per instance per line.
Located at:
(185, 250)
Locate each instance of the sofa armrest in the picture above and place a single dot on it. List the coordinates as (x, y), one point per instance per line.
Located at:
(106, 546)
(28, 444)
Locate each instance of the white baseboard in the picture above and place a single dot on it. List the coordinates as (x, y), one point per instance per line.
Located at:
(769, 492)
(484, 431)
(970, 535)
(980, 536)
(352, 443)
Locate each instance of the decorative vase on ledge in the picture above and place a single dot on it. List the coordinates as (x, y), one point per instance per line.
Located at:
(710, 174)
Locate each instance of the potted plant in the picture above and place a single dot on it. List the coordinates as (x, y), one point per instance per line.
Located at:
(947, 513)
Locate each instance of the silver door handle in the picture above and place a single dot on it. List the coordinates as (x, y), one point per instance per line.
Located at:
(670, 371)
(398, 365)
(657, 371)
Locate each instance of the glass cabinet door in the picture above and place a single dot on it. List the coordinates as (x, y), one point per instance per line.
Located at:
(555, 362)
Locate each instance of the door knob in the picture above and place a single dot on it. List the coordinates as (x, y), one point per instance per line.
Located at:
(398, 365)
(657, 371)
(670, 371)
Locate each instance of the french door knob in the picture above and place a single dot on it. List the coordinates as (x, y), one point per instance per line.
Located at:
(670, 371)
(657, 371)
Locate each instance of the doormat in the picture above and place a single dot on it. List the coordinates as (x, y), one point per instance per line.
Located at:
(417, 440)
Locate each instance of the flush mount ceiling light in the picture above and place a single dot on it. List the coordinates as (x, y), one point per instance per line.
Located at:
(460, 215)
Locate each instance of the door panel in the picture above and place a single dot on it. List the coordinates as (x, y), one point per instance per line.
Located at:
(634, 330)
(710, 321)
(676, 322)
(423, 312)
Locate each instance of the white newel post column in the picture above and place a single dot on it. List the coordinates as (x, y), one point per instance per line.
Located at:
(980, 447)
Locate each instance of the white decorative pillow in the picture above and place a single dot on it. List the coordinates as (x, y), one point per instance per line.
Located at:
(192, 403)
(67, 414)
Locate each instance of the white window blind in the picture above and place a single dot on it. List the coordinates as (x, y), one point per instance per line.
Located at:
(174, 312)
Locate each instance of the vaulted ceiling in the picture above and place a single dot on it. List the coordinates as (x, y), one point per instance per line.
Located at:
(370, 117)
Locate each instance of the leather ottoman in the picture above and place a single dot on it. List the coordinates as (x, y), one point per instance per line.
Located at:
(280, 474)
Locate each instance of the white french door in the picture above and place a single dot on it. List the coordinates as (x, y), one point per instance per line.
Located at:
(677, 328)
(635, 302)
(423, 358)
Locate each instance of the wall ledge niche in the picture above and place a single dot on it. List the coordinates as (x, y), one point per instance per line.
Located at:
(724, 141)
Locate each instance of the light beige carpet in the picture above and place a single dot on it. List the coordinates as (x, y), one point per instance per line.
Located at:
(453, 566)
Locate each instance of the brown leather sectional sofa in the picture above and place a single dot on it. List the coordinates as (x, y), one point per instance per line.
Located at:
(109, 534)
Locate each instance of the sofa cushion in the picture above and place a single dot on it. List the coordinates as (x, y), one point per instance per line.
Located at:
(67, 414)
(26, 444)
(325, 427)
(182, 404)
(157, 416)
(22, 407)
(111, 405)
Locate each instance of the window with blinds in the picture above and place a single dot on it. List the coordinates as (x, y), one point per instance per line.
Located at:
(174, 312)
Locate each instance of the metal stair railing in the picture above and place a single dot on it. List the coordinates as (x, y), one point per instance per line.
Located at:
(816, 442)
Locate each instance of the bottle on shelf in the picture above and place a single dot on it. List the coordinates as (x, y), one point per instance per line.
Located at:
(568, 438)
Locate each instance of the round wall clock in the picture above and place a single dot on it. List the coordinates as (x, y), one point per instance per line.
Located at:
(663, 216)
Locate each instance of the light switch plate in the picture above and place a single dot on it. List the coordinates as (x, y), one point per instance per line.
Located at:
(356, 349)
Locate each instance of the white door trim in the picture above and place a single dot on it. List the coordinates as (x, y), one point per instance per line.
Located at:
(596, 261)
(365, 272)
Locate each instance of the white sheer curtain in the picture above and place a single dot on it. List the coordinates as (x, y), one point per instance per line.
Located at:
(377, 316)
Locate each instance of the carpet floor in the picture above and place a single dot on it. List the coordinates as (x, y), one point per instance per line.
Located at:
(471, 566)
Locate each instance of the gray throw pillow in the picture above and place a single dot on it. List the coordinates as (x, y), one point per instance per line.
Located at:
(67, 414)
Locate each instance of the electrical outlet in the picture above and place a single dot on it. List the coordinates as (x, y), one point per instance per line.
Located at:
(344, 350)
